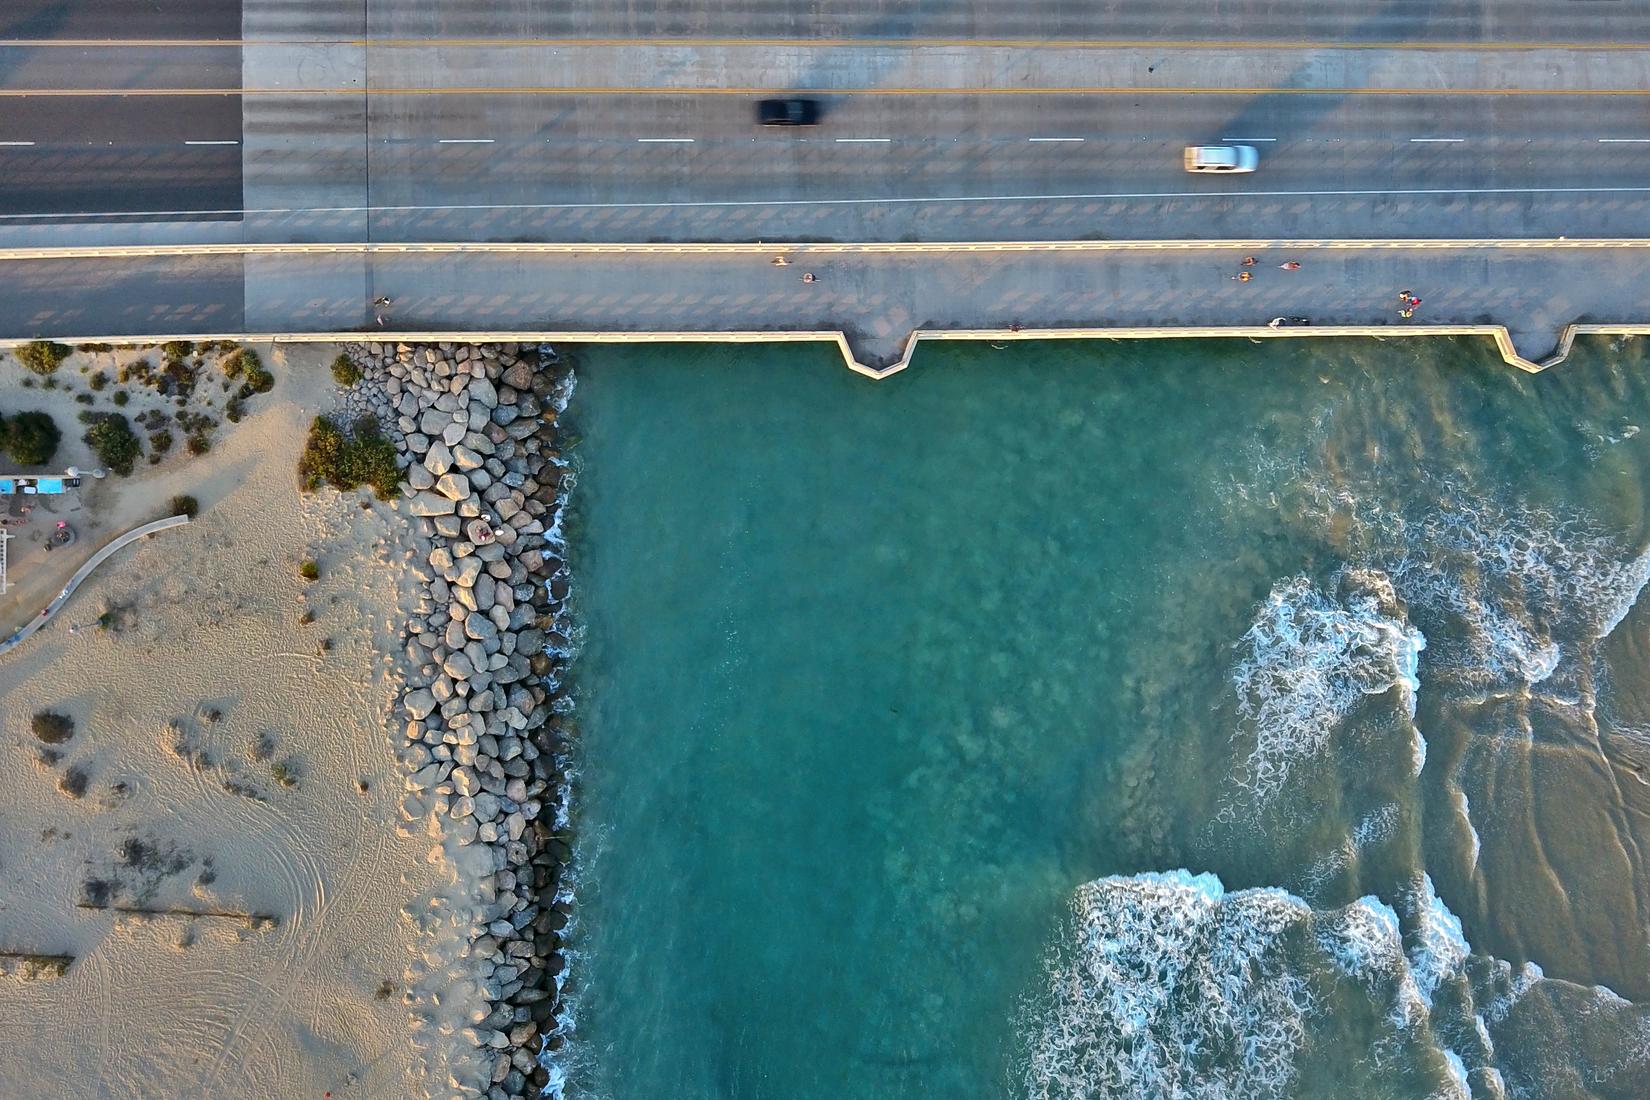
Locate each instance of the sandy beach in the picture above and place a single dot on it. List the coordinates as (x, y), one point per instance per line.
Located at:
(229, 757)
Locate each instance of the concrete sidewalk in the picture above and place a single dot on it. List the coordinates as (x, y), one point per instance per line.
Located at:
(877, 296)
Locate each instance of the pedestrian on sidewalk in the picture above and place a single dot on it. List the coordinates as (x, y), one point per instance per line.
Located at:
(1292, 265)
(1247, 261)
(808, 277)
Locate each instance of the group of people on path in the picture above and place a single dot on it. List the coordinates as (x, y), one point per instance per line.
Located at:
(1247, 262)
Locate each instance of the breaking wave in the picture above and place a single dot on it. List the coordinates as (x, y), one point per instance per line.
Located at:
(1308, 658)
(1167, 985)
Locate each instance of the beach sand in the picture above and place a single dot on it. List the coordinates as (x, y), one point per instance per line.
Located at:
(227, 758)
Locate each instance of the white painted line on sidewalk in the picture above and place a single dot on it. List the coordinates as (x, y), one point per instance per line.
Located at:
(1624, 141)
(863, 141)
(464, 141)
(666, 141)
(211, 143)
(1055, 139)
(16, 144)
(1240, 140)
(1438, 141)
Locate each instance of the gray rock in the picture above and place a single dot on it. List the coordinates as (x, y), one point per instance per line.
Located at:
(449, 526)
(420, 478)
(455, 487)
(505, 415)
(441, 559)
(419, 703)
(465, 572)
(455, 635)
(458, 666)
(480, 443)
(482, 392)
(465, 782)
(439, 459)
(453, 433)
(434, 422)
(515, 825)
(465, 458)
(418, 442)
(480, 627)
(463, 806)
(429, 504)
(486, 806)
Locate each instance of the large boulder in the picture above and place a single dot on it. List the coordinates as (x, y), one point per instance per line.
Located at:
(454, 487)
(439, 459)
(429, 504)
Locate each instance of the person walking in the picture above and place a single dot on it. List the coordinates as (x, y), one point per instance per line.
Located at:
(1292, 265)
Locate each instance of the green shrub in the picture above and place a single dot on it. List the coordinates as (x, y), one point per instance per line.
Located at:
(348, 461)
(309, 570)
(344, 370)
(159, 443)
(233, 410)
(238, 362)
(121, 397)
(92, 349)
(52, 728)
(199, 443)
(111, 439)
(31, 438)
(98, 380)
(176, 351)
(43, 356)
(83, 398)
(185, 506)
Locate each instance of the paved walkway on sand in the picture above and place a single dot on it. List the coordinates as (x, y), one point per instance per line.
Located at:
(81, 574)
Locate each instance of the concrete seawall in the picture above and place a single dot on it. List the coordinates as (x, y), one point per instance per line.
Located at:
(876, 301)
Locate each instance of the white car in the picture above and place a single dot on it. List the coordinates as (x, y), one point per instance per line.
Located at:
(1221, 158)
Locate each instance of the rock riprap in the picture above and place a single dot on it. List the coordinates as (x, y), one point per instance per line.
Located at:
(485, 750)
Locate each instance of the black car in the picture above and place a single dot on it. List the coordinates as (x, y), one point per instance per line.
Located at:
(788, 112)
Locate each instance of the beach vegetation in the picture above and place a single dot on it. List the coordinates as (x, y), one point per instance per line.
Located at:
(309, 570)
(98, 380)
(111, 438)
(51, 727)
(31, 438)
(74, 782)
(93, 349)
(349, 459)
(344, 370)
(48, 383)
(83, 398)
(285, 773)
(199, 443)
(121, 397)
(184, 505)
(177, 350)
(233, 410)
(43, 356)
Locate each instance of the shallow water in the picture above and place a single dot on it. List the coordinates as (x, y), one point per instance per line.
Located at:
(1088, 720)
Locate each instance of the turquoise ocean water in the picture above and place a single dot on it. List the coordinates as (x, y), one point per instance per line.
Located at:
(1203, 719)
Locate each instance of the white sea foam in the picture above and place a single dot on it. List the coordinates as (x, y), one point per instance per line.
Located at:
(1440, 948)
(1365, 941)
(1166, 985)
(1308, 658)
(1458, 1087)
(1375, 827)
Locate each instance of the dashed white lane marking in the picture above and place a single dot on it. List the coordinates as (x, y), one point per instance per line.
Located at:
(666, 141)
(211, 143)
(1241, 140)
(1437, 141)
(1055, 139)
(464, 141)
(1624, 141)
(16, 144)
(863, 141)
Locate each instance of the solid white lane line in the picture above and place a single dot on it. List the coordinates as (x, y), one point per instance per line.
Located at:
(1055, 139)
(16, 144)
(1624, 141)
(211, 143)
(863, 141)
(1437, 141)
(1094, 196)
(464, 141)
(1241, 140)
(666, 141)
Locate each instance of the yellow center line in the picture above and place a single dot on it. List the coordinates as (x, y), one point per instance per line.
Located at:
(814, 43)
(1120, 90)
